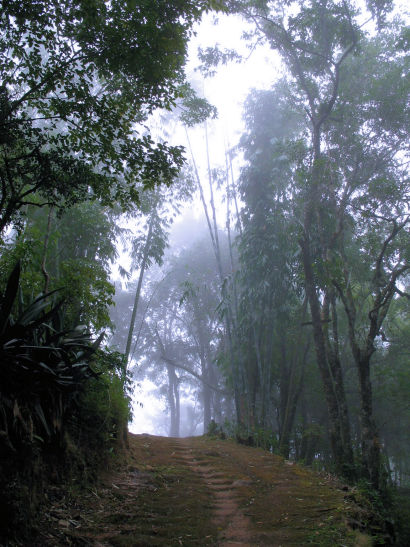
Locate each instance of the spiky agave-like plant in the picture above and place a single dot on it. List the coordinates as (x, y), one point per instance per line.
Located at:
(42, 367)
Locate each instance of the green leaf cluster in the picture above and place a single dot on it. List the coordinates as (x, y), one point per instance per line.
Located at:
(43, 366)
(78, 81)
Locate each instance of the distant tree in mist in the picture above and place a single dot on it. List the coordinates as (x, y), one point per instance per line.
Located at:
(178, 334)
(325, 172)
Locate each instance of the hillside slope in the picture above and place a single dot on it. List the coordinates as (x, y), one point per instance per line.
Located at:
(198, 492)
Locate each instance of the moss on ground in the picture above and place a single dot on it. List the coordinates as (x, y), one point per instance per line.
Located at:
(161, 494)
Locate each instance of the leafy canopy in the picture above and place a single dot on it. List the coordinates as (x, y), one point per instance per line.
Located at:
(77, 81)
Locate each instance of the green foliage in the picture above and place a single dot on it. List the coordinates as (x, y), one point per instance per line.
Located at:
(377, 511)
(70, 101)
(105, 403)
(401, 505)
(213, 56)
(81, 247)
(63, 401)
(194, 109)
(250, 436)
(42, 366)
(324, 226)
(391, 390)
(262, 438)
(332, 533)
(214, 430)
(88, 292)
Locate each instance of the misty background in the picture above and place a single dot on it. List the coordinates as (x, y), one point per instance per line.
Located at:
(228, 256)
(213, 199)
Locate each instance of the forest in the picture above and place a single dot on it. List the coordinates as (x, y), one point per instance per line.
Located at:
(264, 290)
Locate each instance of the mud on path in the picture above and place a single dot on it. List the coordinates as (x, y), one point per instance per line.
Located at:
(199, 492)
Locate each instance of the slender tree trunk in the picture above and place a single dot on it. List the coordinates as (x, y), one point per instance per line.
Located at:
(173, 401)
(45, 251)
(329, 368)
(237, 373)
(177, 407)
(333, 354)
(206, 391)
(370, 439)
(370, 445)
(206, 401)
(138, 291)
(340, 455)
(134, 315)
(292, 391)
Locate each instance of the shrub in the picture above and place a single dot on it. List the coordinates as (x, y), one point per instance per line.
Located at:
(105, 403)
(62, 401)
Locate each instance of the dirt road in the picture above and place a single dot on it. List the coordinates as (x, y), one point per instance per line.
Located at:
(199, 492)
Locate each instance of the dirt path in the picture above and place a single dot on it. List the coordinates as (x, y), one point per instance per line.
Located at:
(199, 492)
(234, 528)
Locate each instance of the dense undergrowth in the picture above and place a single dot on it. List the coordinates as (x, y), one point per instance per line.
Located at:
(63, 404)
(91, 431)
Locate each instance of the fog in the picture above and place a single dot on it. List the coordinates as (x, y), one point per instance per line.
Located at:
(226, 90)
(204, 231)
(254, 274)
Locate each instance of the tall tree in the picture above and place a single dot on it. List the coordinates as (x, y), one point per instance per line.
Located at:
(225, 271)
(77, 259)
(159, 208)
(179, 331)
(347, 185)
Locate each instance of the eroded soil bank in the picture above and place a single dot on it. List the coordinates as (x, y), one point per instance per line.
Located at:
(198, 492)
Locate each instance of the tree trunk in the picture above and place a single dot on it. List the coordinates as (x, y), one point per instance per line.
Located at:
(332, 349)
(177, 407)
(138, 292)
(342, 453)
(134, 314)
(371, 456)
(290, 399)
(206, 391)
(206, 401)
(45, 251)
(173, 401)
(235, 360)
(370, 445)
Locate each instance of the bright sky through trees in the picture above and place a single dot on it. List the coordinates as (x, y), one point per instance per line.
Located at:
(227, 91)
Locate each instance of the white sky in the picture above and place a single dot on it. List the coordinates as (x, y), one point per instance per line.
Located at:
(227, 90)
